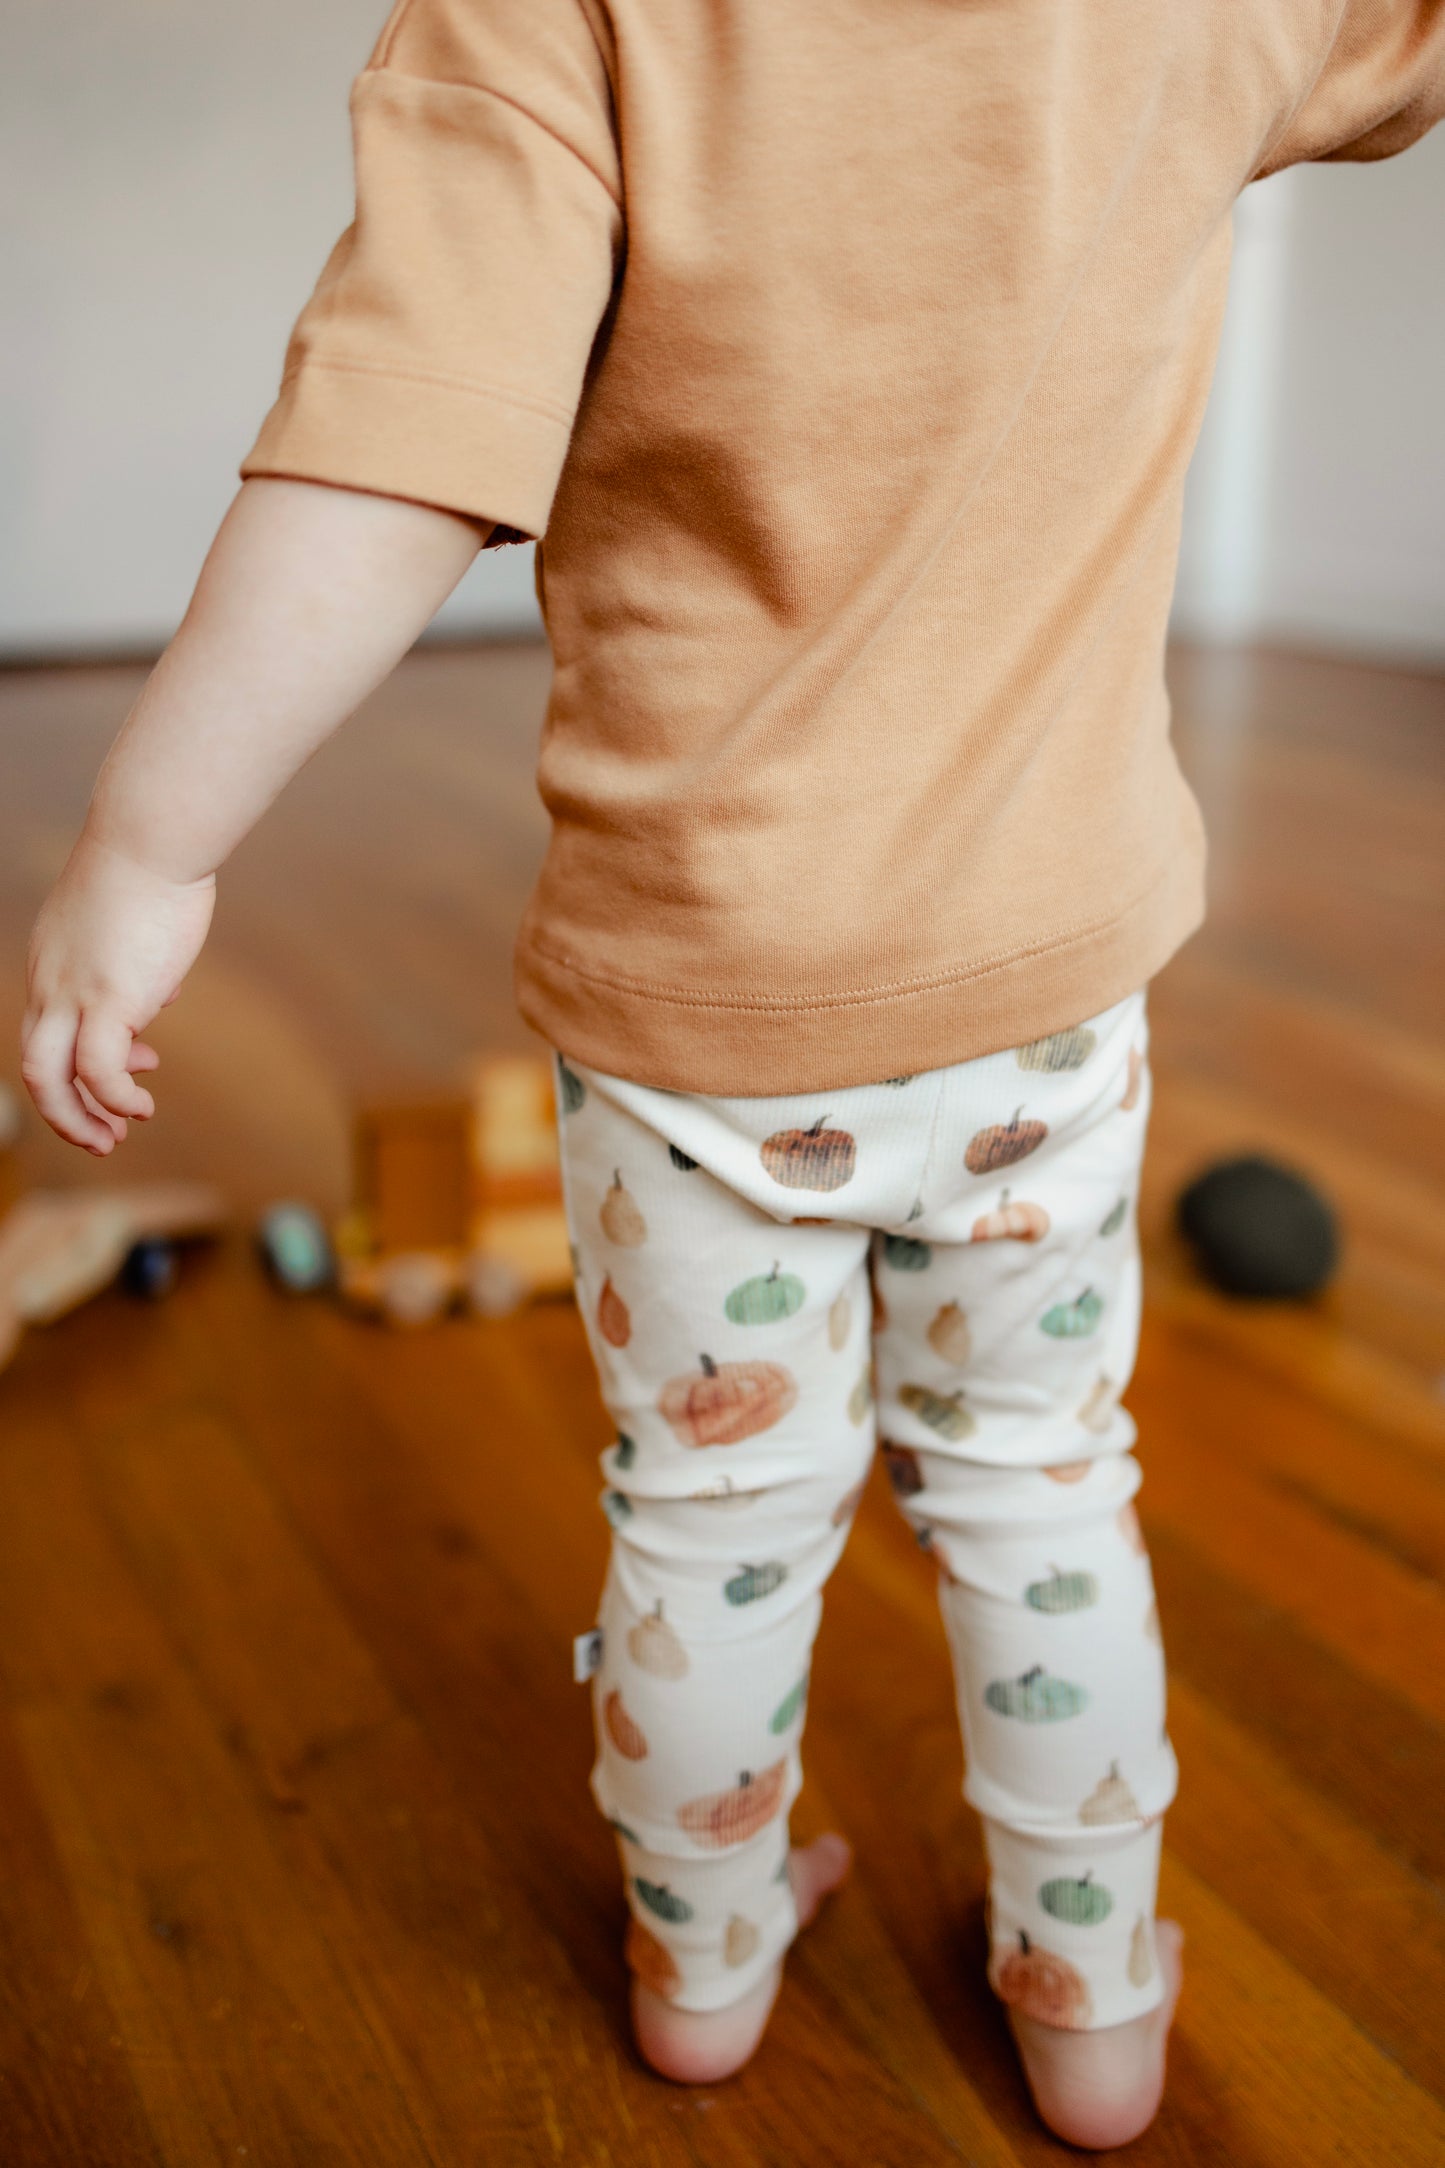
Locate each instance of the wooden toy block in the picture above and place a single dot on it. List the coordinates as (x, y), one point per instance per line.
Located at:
(458, 1200)
(413, 1175)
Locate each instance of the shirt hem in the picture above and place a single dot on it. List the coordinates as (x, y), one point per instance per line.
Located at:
(691, 1040)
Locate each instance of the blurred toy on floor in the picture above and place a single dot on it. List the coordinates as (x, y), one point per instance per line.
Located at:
(456, 1203)
(60, 1247)
(1260, 1229)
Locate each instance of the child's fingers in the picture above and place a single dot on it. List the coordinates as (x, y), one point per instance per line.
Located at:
(48, 1068)
(102, 1052)
(115, 1123)
(142, 1057)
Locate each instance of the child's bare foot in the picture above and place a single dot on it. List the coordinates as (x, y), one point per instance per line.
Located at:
(1100, 2089)
(700, 2046)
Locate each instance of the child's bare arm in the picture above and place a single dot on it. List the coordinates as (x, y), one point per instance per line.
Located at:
(308, 598)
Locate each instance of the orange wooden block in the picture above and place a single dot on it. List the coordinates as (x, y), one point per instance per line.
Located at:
(413, 1174)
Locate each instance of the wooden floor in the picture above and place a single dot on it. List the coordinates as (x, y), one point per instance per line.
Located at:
(298, 1867)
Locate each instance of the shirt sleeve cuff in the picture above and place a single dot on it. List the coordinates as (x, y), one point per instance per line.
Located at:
(469, 448)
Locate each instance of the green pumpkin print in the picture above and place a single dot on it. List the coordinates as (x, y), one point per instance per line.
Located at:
(1074, 1320)
(751, 1582)
(624, 1452)
(623, 1830)
(767, 1299)
(1083, 1903)
(943, 1412)
(658, 1898)
(1062, 1592)
(906, 1255)
(574, 1091)
(790, 1707)
(680, 1159)
(617, 1506)
(1115, 1220)
(1036, 1697)
(1061, 1050)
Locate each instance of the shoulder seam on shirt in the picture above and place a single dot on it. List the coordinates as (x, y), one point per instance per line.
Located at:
(346, 365)
(485, 90)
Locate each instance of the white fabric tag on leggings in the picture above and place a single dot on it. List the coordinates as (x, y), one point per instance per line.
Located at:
(586, 1655)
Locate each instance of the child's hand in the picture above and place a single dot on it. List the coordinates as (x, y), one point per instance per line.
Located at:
(110, 948)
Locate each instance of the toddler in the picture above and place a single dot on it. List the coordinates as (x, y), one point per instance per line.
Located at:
(848, 356)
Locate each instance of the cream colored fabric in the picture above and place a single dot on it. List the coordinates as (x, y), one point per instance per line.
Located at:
(745, 1268)
(849, 354)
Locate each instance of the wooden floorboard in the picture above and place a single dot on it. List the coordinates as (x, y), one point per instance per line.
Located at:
(298, 1864)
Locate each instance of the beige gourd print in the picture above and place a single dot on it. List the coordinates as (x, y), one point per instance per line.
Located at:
(1097, 1412)
(614, 1319)
(840, 1318)
(622, 1220)
(1111, 1800)
(949, 1336)
(653, 1646)
(626, 1735)
(1136, 1079)
(1141, 1954)
(860, 1400)
(740, 1940)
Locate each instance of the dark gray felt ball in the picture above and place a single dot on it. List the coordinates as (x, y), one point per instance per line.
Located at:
(1260, 1229)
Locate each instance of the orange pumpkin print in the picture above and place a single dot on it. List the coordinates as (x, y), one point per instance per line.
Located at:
(1003, 1144)
(614, 1320)
(650, 1959)
(815, 1158)
(1042, 1985)
(1009, 1222)
(725, 1402)
(626, 1735)
(1067, 1471)
(731, 1817)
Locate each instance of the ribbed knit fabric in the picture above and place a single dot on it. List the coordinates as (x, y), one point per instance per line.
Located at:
(947, 1262)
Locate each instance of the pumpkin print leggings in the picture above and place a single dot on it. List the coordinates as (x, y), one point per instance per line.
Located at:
(946, 1264)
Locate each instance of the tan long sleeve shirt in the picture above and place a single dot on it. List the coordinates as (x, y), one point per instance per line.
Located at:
(848, 356)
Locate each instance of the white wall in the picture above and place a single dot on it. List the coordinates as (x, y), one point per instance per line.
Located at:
(172, 173)
(1316, 507)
